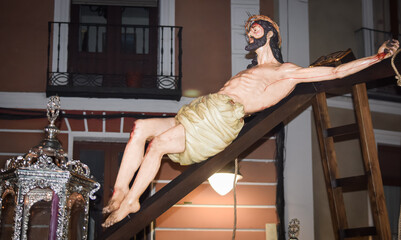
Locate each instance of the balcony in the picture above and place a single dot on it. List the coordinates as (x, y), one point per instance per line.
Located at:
(114, 61)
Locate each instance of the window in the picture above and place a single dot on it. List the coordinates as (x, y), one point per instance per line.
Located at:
(107, 50)
(113, 46)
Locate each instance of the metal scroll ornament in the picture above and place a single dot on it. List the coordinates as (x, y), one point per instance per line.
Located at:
(293, 229)
(45, 181)
(53, 109)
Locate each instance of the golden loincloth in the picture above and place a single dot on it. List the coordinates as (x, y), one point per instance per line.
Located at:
(211, 123)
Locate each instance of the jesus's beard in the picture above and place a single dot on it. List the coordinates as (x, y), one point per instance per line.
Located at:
(257, 43)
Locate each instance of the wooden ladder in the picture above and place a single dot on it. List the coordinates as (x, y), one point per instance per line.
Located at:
(371, 179)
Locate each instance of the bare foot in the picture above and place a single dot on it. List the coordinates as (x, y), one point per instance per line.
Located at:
(121, 213)
(115, 201)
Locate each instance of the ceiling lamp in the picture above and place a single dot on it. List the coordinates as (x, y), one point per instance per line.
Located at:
(223, 181)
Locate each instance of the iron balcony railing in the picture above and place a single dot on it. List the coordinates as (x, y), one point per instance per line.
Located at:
(369, 41)
(124, 61)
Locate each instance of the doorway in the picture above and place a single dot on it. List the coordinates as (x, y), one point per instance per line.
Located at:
(390, 165)
(103, 160)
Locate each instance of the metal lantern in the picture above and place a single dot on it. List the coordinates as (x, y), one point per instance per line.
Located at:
(43, 195)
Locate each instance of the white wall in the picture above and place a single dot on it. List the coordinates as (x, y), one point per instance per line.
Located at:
(239, 15)
(294, 28)
(298, 177)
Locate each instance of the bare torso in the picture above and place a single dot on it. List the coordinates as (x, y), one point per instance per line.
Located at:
(269, 82)
(260, 87)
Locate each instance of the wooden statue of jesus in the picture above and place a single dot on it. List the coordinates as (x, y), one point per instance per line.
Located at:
(210, 123)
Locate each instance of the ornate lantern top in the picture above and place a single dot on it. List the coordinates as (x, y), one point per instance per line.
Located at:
(53, 109)
(48, 154)
(46, 175)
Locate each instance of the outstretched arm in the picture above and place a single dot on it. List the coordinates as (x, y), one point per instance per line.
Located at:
(315, 74)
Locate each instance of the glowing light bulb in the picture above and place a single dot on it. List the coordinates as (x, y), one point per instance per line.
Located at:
(223, 183)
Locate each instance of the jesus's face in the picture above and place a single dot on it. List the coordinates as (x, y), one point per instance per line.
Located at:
(256, 37)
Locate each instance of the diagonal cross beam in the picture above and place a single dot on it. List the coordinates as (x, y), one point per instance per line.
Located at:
(198, 173)
(258, 127)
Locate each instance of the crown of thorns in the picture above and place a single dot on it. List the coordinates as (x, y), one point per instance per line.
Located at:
(254, 18)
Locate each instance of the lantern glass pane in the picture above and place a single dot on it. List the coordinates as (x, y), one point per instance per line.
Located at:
(77, 217)
(7, 216)
(39, 219)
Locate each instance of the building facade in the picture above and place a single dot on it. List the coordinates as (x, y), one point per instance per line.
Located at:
(112, 65)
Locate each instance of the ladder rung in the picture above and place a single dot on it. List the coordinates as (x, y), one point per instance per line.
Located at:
(343, 133)
(352, 184)
(357, 232)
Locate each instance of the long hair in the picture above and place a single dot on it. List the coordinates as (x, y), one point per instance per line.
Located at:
(274, 42)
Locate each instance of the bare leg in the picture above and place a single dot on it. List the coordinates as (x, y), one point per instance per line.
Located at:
(133, 156)
(171, 141)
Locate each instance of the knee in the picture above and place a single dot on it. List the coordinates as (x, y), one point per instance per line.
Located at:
(163, 144)
(155, 145)
(158, 145)
(137, 129)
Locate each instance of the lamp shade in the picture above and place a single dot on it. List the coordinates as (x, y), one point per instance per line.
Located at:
(223, 181)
